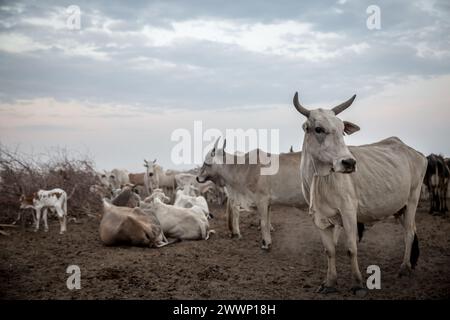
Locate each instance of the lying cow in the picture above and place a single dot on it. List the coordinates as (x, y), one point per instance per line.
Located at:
(210, 191)
(134, 226)
(126, 197)
(186, 198)
(178, 223)
(55, 200)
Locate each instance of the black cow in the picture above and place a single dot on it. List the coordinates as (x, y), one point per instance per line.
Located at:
(436, 179)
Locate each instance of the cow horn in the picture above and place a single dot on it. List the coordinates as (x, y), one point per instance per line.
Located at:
(215, 144)
(299, 107)
(338, 109)
(224, 144)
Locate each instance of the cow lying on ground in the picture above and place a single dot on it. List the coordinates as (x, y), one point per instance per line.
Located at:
(186, 198)
(126, 197)
(134, 226)
(55, 200)
(209, 190)
(178, 223)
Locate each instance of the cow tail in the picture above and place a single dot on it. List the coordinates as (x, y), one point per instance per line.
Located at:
(360, 231)
(414, 251)
(229, 215)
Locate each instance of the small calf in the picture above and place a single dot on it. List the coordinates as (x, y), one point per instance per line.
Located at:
(55, 200)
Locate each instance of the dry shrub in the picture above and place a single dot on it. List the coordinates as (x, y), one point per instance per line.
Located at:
(26, 173)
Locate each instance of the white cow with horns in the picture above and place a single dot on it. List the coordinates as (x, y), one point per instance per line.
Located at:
(362, 184)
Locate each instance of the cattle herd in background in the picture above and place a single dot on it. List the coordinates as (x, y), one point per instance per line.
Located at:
(181, 189)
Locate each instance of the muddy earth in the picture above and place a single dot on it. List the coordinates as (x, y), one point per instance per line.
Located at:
(33, 265)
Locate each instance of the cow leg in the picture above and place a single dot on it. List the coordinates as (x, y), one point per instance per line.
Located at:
(336, 234)
(272, 229)
(437, 207)
(431, 196)
(443, 195)
(351, 231)
(236, 232)
(233, 220)
(410, 238)
(62, 217)
(38, 219)
(263, 209)
(19, 216)
(45, 220)
(329, 285)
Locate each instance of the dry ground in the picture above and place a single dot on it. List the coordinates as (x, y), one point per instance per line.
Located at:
(32, 265)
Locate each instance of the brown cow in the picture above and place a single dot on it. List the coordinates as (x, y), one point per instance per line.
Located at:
(133, 226)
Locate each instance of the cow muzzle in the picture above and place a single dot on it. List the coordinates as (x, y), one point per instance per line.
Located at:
(200, 180)
(348, 165)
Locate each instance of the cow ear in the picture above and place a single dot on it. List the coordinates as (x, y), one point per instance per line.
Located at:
(350, 128)
(305, 127)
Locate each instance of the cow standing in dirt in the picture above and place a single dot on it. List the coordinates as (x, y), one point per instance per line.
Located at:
(345, 186)
(55, 199)
(436, 179)
(247, 186)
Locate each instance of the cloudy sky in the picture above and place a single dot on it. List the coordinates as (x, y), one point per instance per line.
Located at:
(135, 71)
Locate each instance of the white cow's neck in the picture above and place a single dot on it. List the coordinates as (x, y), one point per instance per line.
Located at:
(309, 167)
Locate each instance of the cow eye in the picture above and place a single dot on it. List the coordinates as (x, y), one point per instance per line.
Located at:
(319, 130)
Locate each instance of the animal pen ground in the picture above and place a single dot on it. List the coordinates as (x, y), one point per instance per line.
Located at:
(33, 265)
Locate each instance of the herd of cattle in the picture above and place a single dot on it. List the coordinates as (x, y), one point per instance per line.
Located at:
(344, 188)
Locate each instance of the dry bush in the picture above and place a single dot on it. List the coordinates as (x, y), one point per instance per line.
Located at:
(24, 173)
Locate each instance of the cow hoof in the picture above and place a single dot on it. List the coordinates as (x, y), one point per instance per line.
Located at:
(235, 236)
(326, 290)
(45, 230)
(359, 291)
(61, 232)
(265, 246)
(35, 230)
(405, 271)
